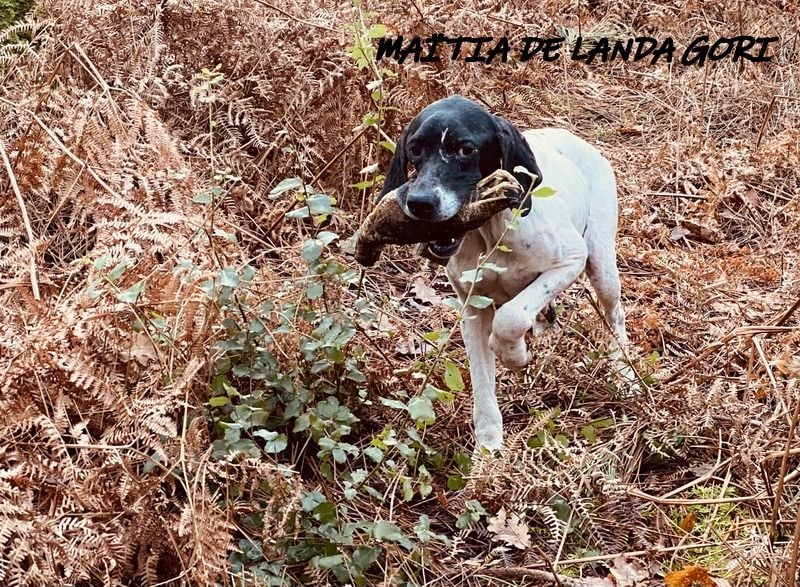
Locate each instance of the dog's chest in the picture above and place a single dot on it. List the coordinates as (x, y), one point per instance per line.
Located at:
(503, 275)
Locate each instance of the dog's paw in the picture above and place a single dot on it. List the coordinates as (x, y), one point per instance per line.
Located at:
(488, 443)
(628, 383)
(514, 356)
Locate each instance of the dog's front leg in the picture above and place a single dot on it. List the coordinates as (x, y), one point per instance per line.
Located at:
(486, 417)
(518, 315)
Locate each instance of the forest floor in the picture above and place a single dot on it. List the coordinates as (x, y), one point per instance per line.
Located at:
(201, 386)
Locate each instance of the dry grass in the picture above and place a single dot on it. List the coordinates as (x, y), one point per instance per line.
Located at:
(105, 468)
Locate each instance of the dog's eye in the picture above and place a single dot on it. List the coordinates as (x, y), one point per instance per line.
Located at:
(465, 151)
(415, 151)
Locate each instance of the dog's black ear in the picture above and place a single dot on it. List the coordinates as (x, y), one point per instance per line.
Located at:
(398, 169)
(514, 151)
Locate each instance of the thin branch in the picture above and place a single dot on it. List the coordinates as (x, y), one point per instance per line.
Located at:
(25, 219)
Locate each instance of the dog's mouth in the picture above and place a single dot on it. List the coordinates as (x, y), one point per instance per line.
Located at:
(445, 247)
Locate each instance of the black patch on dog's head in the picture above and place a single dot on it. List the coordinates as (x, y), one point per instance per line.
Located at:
(452, 144)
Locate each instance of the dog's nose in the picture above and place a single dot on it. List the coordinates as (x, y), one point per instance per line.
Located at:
(421, 205)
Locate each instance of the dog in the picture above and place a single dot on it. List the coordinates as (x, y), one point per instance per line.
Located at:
(454, 143)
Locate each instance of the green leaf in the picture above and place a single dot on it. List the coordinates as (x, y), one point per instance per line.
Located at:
(287, 184)
(385, 530)
(452, 376)
(298, 213)
(362, 185)
(589, 433)
(543, 192)
(504, 248)
(420, 408)
(374, 453)
(328, 562)
(479, 301)
(228, 277)
(603, 423)
(117, 271)
(453, 303)
(376, 31)
(311, 250)
(131, 294)
(364, 556)
(314, 290)
(320, 204)
(471, 276)
(456, 482)
(203, 198)
(100, 262)
(327, 237)
(274, 442)
(219, 400)
(393, 403)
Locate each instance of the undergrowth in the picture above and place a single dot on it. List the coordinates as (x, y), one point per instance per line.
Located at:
(199, 386)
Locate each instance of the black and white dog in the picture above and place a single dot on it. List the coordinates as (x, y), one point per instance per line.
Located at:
(451, 145)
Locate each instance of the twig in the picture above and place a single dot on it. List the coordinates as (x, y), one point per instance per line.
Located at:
(781, 320)
(739, 331)
(517, 572)
(293, 17)
(336, 157)
(776, 506)
(25, 220)
(767, 116)
(710, 501)
(791, 574)
(676, 195)
(663, 550)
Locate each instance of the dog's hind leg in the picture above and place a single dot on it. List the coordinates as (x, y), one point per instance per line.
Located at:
(601, 268)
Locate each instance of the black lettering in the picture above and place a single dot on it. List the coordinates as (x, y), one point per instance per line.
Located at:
(500, 48)
(645, 46)
(723, 42)
(667, 48)
(456, 42)
(622, 50)
(479, 41)
(762, 54)
(551, 48)
(389, 48)
(415, 47)
(528, 51)
(576, 50)
(696, 52)
(433, 46)
(743, 48)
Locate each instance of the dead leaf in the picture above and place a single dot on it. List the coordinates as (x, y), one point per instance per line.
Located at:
(678, 233)
(688, 522)
(689, 577)
(143, 350)
(510, 530)
(627, 574)
(636, 129)
(751, 197)
(425, 293)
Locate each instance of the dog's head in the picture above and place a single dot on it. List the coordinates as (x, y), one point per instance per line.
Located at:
(451, 145)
